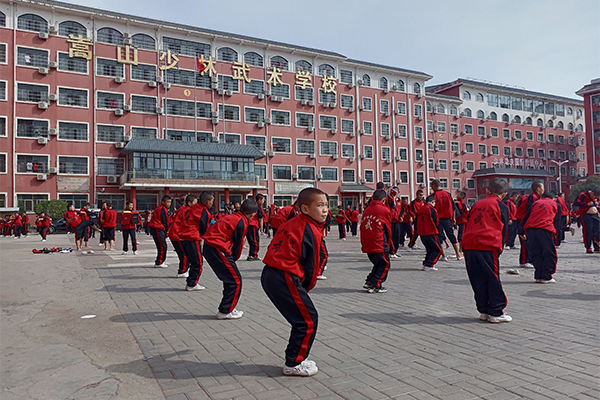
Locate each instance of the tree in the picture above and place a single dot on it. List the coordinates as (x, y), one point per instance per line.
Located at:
(590, 183)
(55, 209)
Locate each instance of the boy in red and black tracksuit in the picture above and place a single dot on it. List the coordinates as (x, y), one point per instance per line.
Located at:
(18, 226)
(159, 225)
(43, 224)
(292, 264)
(427, 227)
(564, 215)
(513, 222)
(540, 226)
(193, 225)
(483, 241)
(341, 223)
(587, 210)
(67, 217)
(84, 213)
(109, 225)
(444, 206)
(283, 214)
(354, 218)
(348, 213)
(129, 221)
(223, 244)
(525, 204)
(25, 221)
(392, 205)
(462, 213)
(254, 228)
(173, 235)
(405, 224)
(414, 208)
(376, 240)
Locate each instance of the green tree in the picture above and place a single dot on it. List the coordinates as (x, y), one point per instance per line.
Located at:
(55, 209)
(590, 183)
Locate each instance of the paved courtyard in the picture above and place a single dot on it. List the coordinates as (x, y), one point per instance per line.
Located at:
(422, 340)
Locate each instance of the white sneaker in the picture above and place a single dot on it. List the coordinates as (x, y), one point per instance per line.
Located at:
(446, 259)
(321, 277)
(526, 265)
(123, 253)
(163, 265)
(235, 314)
(343, 238)
(100, 244)
(135, 253)
(551, 280)
(393, 256)
(483, 317)
(425, 268)
(194, 288)
(501, 318)
(184, 275)
(305, 368)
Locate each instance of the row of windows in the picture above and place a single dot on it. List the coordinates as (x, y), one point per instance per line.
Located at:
(517, 120)
(33, 164)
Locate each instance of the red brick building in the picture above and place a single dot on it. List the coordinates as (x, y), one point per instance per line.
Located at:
(591, 101)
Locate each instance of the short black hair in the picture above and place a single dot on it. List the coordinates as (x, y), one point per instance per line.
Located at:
(165, 197)
(434, 183)
(109, 205)
(548, 195)
(419, 191)
(260, 196)
(536, 185)
(87, 204)
(306, 195)
(249, 206)
(379, 194)
(379, 186)
(128, 203)
(498, 186)
(205, 196)
(190, 198)
(429, 199)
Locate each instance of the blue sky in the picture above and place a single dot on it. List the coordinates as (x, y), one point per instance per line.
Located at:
(550, 46)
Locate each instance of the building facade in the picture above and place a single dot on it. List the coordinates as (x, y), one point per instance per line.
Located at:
(591, 100)
(91, 103)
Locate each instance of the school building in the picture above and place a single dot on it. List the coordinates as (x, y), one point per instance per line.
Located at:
(97, 105)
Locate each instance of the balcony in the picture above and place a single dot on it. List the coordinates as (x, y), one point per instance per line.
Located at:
(191, 179)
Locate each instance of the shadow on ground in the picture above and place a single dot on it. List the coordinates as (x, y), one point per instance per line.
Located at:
(402, 318)
(155, 316)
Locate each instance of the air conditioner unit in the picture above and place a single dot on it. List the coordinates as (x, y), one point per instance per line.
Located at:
(214, 114)
(333, 131)
(221, 92)
(359, 82)
(167, 85)
(126, 138)
(119, 79)
(42, 140)
(118, 112)
(53, 170)
(420, 118)
(386, 135)
(312, 155)
(397, 112)
(457, 153)
(419, 95)
(397, 135)
(229, 92)
(42, 177)
(52, 97)
(159, 110)
(159, 79)
(334, 156)
(43, 70)
(362, 180)
(465, 170)
(294, 176)
(361, 107)
(351, 109)
(52, 131)
(260, 96)
(398, 158)
(352, 134)
(311, 103)
(361, 131)
(214, 139)
(111, 179)
(435, 148)
(350, 85)
(43, 35)
(455, 133)
(43, 105)
(152, 84)
(420, 140)
(387, 113)
(310, 128)
(304, 102)
(388, 160)
(126, 107)
(351, 159)
(421, 162)
(267, 92)
(214, 85)
(271, 154)
(267, 120)
(394, 87)
(120, 145)
(278, 99)
(53, 64)
(260, 124)
(362, 156)
(127, 41)
(215, 120)
(53, 29)
(319, 176)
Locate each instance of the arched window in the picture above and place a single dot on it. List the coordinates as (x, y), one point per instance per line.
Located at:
(252, 58)
(505, 118)
(227, 54)
(67, 28)
(560, 125)
(480, 114)
(579, 128)
(570, 126)
(440, 109)
(468, 112)
(428, 106)
(417, 88)
(366, 80)
(550, 123)
(453, 110)
(143, 41)
(2, 19)
(579, 113)
(383, 83)
(326, 68)
(569, 111)
(279, 62)
(110, 35)
(400, 85)
(466, 95)
(480, 97)
(528, 121)
(32, 22)
(539, 122)
(517, 119)
(303, 65)
(493, 116)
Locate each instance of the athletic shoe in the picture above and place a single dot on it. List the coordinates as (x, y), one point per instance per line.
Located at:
(184, 275)
(135, 253)
(235, 314)
(483, 317)
(444, 258)
(163, 265)
(100, 244)
(527, 265)
(499, 319)
(426, 268)
(572, 231)
(250, 258)
(377, 290)
(513, 271)
(551, 280)
(305, 368)
(366, 286)
(393, 256)
(194, 288)
(124, 253)
(321, 277)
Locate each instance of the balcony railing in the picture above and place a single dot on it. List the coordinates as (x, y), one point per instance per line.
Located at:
(161, 174)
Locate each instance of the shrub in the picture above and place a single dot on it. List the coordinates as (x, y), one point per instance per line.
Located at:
(55, 209)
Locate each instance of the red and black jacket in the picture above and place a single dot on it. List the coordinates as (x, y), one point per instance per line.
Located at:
(129, 219)
(427, 221)
(354, 216)
(398, 211)
(414, 208)
(284, 214)
(43, 222)
(462, 213)
(227, 234)
(582, 202)
(160, 218)
(83, 213)
(255, 221)
(193, 222)
(487, 226)
(341, 218)
(178, 219)
(524, 209)
(18, 221)
(444, 204)
(376, 228)
(544, 215)
(110, 219)
(512, 209)
(298, 249)
(564, 209)
(73, 218)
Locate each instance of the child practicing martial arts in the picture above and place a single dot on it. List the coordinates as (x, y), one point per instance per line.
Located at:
(427, 223)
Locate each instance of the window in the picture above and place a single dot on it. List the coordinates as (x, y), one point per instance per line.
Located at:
(305, 146)
(383, 83)
(443, 165)
(495, 150)
(540, 137)
(72, 97)
(254, 87)
(384, 106)
(441, 145)
(402, 131)
(348, 175)
(507, 151)
(74, 64)
(2, 126)
(327, 97)
(227, 54)
(186, 47)
(560, 125)
(482, 149)
(230, 138)
(516, 103)
(3, 53)
(494, 132)
(454, 128)
(282, 172)
(480, 114)
(143, 72)
(453, 110)
(281, 91)
(203, 110)
(530, 152)
(400, 84)
(73, 165)
(143, 133)
(110, 101)
(111, 133)
(369, 176)
(401, 107)
(455, 165)
(481, 131)
(260, 170)
(518, 152)
(482, 165)
(303, 65)
(506, 133)
(32, 164)
(480, 97)
(455, 147)
(419, 155)
(326, 69)
(418, 110)
(441, 127)
(306, 173)
(416, 88)
(28, 57)
(368, 127)
(329, 174)
(542, 153)
(345, 76)
(280, 117)
(181, 77)
(440, 109)
(528, 121)
(469, 148)
(420, 177)
(385, 130)
(110, 36)
(466, 95)
(347, 125)
(2, 163)
(327, 148)
(529, 136)
(468, 129)
(72, 131)
(492, 99)
(304, 120)
(143, 104)
(32, 128)
(367, 103)
(346, 101)
(403, 153)
(67, 28)
(143, 41)
(31, 93)
(552, 154)
(257, 141)
(29, 201)
(368, 152)
(366, 80)
(252, 58)
(227, 82)
(347, 150)
(517, 119)
(518, 135)
(327, 122)
(444, 183)
(281, 145)
(467, 112)
(32, 22)
(419, 133)
(110, 68)
(182, 108)
(253, 114)
(470, 166)
(229, 113)
(456, 183)
(386, 176)
(110, 166)
(279, 62)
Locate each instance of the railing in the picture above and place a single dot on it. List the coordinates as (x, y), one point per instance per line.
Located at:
(161, 174)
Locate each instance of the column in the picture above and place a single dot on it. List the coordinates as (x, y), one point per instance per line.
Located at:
(226, 195)
(132, 196)
(166, 191)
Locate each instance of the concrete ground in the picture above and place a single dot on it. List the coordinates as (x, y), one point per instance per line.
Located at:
(422, 340)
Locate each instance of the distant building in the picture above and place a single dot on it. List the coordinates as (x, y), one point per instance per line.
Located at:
(591, 100)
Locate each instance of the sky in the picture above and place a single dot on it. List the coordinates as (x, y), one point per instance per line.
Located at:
(550, 46)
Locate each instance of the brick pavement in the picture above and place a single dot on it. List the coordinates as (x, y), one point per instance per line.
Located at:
(421, 340)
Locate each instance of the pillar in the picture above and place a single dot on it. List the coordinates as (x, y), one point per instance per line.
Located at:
(254, 193)
(167, 191)
(132, 196)
(226, 195)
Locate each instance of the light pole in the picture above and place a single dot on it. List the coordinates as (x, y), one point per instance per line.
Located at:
(560, 164)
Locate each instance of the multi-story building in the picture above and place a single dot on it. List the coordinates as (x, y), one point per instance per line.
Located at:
(591, 100)
(97, 105)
